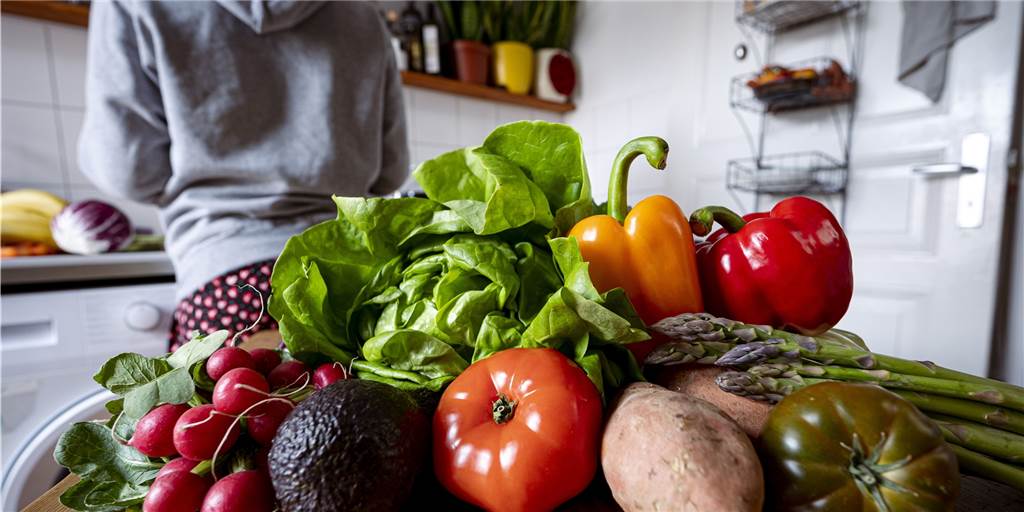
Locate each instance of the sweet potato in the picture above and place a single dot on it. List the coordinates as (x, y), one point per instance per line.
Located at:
(698, 381)
(663, 450)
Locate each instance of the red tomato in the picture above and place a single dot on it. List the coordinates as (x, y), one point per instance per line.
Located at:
(518, 431)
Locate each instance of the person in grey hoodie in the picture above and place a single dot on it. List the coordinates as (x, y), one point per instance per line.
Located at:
(239, 120)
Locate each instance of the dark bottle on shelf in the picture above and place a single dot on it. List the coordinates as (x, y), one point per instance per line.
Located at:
(411, 24)
(431, 42)
(395, 35)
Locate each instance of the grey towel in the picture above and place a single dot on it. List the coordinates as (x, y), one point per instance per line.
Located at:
(929, 31)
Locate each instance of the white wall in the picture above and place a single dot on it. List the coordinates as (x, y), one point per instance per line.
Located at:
(638, 65)
(43, 68)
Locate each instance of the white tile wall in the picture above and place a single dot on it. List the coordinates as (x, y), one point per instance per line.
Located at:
(26, 73)
(31, 146)
(70, 126)
(43, 100)
(69, 55)
(476, 119)
(434, 119)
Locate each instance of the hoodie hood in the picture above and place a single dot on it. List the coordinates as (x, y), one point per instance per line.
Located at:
(265, 16)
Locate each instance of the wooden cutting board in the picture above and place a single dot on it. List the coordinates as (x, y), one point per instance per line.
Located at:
(976, 495)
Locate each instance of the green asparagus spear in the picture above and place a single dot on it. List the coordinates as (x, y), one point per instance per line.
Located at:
(760, 343)
(884, 371)
(976, 463)
(762, 388)
(985, 414)
(987, 440)
(683, 352)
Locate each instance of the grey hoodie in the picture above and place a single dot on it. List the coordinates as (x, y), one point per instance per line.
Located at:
(240, 119)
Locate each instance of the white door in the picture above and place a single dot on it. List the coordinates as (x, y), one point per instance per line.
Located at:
(924, 282)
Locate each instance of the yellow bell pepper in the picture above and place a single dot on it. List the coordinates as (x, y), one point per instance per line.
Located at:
(649, 252)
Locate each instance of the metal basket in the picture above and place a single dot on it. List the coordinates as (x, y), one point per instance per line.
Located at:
(778, 15)
(791, 94)
(808, 172)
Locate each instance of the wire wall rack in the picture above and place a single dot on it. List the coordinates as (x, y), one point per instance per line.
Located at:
(826, 83)
(774, 16)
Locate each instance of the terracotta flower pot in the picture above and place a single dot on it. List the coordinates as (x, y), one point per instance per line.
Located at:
(513, 66)
(471, 61)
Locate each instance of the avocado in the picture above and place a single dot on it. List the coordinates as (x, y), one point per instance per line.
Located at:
(354, 445)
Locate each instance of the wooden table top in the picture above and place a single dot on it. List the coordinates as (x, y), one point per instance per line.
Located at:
(976, 495)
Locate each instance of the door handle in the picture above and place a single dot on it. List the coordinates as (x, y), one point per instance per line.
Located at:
(944, 169)
(970, 172)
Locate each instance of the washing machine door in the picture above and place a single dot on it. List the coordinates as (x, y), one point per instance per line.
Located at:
(32, 470)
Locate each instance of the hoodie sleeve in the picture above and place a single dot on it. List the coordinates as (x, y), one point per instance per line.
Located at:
(394, 144)
(124, 146)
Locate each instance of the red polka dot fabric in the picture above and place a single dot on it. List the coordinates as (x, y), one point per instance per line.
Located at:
(228, 302)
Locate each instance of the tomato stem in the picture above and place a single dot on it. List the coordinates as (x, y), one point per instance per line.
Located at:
(503, 409)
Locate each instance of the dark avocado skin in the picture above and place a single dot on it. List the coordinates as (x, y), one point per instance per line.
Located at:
(354, 445)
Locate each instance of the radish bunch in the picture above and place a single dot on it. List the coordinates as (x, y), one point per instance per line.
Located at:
(252, 395)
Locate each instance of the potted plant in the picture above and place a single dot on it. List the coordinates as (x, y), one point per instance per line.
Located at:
(515, 27)
(555, 70)
(466, 29)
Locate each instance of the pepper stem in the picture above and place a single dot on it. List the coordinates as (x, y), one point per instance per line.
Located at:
(703, 219)
(656, 151)
(503, 409)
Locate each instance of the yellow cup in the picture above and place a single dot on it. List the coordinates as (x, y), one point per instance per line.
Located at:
(513, 66)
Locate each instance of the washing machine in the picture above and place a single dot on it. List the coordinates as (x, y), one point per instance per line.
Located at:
(61, 317)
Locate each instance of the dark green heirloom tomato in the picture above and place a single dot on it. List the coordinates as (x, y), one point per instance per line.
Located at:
(855, 447)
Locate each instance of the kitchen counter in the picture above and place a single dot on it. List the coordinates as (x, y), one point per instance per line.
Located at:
(68, 268)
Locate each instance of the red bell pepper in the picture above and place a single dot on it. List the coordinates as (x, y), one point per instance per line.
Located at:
(790, 268)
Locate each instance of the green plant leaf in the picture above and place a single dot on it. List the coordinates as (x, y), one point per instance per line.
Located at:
(197, 349)
(88, 450)
(98, 496)
(552, 157)
(538, 279)
(489, 193)
(125, 372)
(491, 258)
(414, 351)
(173, 387)
(448, 15)
(497, 333)
(459, 320)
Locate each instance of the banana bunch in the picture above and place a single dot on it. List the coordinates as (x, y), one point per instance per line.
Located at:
(25, 216)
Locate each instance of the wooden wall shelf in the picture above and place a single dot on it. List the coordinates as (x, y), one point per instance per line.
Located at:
(62, 12)
(78, 14)
(448, 85)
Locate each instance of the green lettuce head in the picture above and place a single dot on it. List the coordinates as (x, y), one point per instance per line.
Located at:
(410, 291)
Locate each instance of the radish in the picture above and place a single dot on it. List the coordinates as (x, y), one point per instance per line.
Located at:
(245, 491)
(179, 464)
(238, 390)
(154, 432)
(263, 421)
(201, 429)
(266, 360)
(289, 374)
(327, 374)
(227, 359)
(178, 491)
